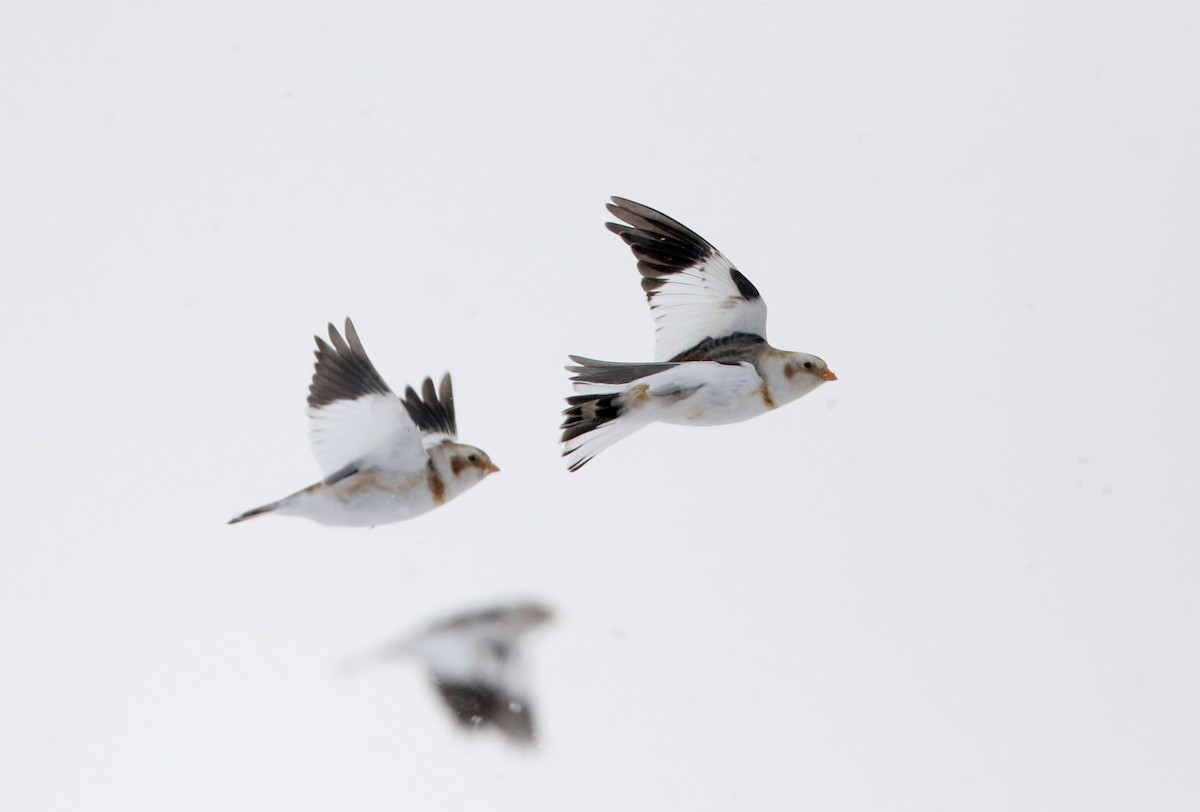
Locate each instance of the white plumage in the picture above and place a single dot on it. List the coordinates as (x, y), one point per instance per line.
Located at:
(384, 459)
(712, 363)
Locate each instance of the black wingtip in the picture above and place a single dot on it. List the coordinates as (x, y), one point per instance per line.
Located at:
(661, 244)
(433, 409)
(478, 704)
(342, 370)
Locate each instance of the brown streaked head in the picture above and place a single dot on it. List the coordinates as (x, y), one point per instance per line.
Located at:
(469, 457)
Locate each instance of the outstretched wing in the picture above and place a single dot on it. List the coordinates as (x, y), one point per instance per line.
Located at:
(476, 663)
(355, 420)
(434, 415)
(482, 679)
(695, 293)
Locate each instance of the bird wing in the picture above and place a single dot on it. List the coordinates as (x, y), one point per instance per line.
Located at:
(695, 293)
(477, 704)
(476, 662)
(434, 415)
(355, 420)
(488, 685)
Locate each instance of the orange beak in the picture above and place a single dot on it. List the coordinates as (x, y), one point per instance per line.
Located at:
(492, 469)
(827, 375)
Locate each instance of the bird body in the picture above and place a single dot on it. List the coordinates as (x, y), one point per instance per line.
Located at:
(713, 364)
(378, 496)
(385, 459)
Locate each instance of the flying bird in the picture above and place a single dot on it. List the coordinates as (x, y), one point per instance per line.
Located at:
(475, 664)
(712, 362)
(384, 459)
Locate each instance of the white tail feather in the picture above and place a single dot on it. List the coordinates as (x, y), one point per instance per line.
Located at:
(581, 449)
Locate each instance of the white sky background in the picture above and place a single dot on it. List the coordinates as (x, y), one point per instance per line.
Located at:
(962, 577)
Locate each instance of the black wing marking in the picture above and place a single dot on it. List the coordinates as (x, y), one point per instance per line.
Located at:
(665, 246)
(662, 245)
(343, 371)
(479, 704)
(731, 349)
(434, 414)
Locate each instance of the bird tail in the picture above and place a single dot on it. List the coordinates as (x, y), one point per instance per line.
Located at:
(590, 376)
(594, 422)
(355, 663)
(250, 514)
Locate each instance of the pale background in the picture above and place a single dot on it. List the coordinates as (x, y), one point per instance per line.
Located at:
(963, 577)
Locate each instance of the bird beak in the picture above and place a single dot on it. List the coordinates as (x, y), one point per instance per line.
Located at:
(492, 469)
(827, 375)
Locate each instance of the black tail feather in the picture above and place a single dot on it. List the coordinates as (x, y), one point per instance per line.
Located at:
(589, 370)
(586, 413)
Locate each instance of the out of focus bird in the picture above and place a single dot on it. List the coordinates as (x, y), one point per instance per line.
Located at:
(384, 459)
(712, 364)
(475, 664)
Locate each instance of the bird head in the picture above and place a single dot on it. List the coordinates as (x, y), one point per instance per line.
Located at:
(802, 364)
(791, 375)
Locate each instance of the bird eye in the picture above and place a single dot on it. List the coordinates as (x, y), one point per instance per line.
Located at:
(473, 458)
(808, 364)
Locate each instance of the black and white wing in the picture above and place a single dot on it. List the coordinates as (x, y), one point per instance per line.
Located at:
(695, 293)
(476, 663)
(355, 420)
(496, 700)
(433, 411)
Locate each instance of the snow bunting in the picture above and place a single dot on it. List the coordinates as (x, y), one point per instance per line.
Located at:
(475, 664)
(384, 459)
(712, 364)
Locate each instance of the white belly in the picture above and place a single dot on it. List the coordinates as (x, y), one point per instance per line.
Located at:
(362, 500)
(708, 394)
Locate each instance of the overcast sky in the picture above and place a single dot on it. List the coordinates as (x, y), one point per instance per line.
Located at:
(962, 577)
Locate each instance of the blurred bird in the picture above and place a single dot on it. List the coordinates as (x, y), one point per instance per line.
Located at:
(712, 364)
(475, 664)
(384, 459)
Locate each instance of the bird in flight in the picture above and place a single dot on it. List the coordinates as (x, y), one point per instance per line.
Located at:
(384, 459)
(712, 362)
(476, 665)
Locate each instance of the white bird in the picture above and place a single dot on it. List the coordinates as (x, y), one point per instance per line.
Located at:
(712, 364)
(475, 663)
(384, 459)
